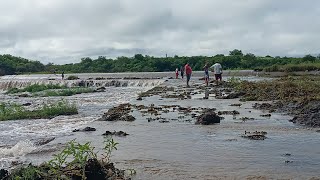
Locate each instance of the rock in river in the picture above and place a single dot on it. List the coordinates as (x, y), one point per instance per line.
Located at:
(208, 117)
(119, 113)
(85, 129)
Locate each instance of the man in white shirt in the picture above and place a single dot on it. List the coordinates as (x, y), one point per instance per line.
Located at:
(217, 69)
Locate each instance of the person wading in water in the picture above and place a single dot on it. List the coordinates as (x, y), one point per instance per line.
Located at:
(188, 71)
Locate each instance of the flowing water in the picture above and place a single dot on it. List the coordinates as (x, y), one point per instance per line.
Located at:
(175, 150)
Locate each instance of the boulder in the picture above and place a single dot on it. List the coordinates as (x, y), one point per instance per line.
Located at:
(207, 118)
(119, 113)
(3, 174)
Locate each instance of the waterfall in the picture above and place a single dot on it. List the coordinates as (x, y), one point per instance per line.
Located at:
(6, 84)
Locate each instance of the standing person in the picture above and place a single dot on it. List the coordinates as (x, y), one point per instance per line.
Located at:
(182, 71)
(217, 69)
(62, 75)
(188, 71)
(206, 73)
(177, 73)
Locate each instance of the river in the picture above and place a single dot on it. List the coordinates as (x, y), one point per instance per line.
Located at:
(175, 150)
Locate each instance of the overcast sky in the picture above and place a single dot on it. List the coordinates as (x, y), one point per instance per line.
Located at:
(63, 31)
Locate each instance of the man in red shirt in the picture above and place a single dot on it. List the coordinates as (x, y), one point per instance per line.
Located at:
(188, 71)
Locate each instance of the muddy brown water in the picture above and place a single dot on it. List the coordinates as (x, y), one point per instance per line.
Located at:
(177, 149)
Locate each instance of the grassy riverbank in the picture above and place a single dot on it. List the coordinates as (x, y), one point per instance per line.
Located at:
(15, 111)
(295, 88)
(297, 95)
(43, 90)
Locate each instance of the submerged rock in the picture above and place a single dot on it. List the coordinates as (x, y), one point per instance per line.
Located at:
(208, 117)
(257, 135)
(26, 104)
(44, 141)
(265, 115)
(85, 129)
(116, 133)
(100, 89)
(234, 112)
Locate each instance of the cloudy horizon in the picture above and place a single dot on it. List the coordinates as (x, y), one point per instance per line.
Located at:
(62, 32)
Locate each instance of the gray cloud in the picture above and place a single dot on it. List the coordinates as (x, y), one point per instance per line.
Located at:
(62, 31)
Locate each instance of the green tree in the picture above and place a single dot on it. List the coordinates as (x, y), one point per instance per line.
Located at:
(236, 52)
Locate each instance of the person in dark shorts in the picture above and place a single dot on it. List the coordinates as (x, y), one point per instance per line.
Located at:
(188, 71)
(217, 69)
(182, 71)
(206, 73)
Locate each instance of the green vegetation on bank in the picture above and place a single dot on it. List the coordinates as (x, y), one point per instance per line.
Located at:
(15, 111)
(65, 92)
(36, 88)
(143, 63)
(75, 161)
(43, 90)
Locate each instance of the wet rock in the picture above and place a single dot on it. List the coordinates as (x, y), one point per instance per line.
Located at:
(228, 112)
(233, 95)
(100, 78)
(257, 135)
(246, 119)
(3, 173)
(163, 121)
(207, 118)
(94, 170)
(287, 154)
(139, 98)
(100, 89)
(235, 104)
(26, 104)
(44, 141)
(178, 96)
(263, 106)
(85, 129)
(307, 113)
(116, 133)
(265, 115)
(99, 170)
(119, 113)
(89, 129)
(24, 95)
(184, 109)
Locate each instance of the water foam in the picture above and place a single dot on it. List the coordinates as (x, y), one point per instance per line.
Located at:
(20, 149)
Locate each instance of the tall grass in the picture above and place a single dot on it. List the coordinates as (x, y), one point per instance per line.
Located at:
(35, 88)
(288, 88)
(294, 67)
(65, 92)
(43, 90)
(15, 112)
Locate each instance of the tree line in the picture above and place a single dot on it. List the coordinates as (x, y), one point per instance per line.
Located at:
(143, 63)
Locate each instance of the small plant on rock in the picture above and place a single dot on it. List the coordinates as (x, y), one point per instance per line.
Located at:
(109, 146)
